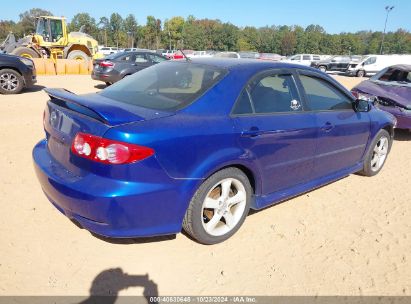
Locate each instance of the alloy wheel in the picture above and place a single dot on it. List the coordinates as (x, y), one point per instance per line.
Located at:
(379, 153)
(224, 206)
(9, 82)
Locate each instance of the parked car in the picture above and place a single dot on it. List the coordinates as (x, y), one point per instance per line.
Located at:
(169, 53)
(335, 63)
(198, 54)
(270, 56)
(391, 90)
(197, 144)
(117, 66)
(249, 55)
(105, 50)
(371, 64)
(16, 73)
(304, 59)
(179, 54)
(227, 55)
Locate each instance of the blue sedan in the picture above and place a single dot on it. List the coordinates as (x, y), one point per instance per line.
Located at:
(195, 144)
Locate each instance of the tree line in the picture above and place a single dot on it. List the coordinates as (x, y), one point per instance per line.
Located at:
(213, 34)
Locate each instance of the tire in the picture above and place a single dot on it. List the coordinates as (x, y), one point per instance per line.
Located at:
(213, 206)
(108, 83)
(78, 55)
(377, 153)
(25, 52)
(361, 73)
(11, 82)
(322, 68)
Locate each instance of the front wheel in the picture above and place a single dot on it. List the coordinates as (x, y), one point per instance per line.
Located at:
(322, 68)
(377, 153)
(11, 82)
(78, 55)
(361, 73)
(219, 207)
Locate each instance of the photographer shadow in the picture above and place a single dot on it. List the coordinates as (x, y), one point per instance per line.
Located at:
(108, 283)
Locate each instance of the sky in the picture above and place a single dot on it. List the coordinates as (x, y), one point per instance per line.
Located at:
(333, 16)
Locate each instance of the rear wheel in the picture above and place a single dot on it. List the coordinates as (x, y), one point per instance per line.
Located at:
(11, 82)
(108, 83)
(361, 73)
(78, 55)
(322, 68)
(26, 52)
(219, 207)
(377, 153)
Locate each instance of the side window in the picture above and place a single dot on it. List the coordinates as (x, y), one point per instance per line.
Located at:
(296, 58)
(306, 57)
(243, 105)
(156, 59)
(370, 60)
(56, 29)
(275, 93)
(323, 96)
(316, 57)
(128, 57)
(140, 58)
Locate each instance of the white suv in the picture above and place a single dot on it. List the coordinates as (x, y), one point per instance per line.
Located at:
(304, 59)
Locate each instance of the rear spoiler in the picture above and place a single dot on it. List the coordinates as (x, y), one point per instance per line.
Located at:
(71, 101)
(105, 110)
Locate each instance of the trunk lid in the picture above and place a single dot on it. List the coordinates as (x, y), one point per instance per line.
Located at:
(66, 114)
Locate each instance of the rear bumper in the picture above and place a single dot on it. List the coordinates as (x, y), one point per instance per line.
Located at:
(106, 77)
(113, 207)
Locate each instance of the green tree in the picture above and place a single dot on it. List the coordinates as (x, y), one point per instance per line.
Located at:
(83, 20)
(116, 25)
(131, 28)
(27, 23)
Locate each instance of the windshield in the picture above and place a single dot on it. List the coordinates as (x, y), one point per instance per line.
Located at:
(166, 86)
(41, 27)
(393, 75)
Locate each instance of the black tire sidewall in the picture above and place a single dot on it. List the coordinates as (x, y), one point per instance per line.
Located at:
(198, 231)
(20, 82)
(367, 171)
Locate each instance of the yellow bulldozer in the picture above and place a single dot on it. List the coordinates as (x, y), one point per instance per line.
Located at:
(51, 40)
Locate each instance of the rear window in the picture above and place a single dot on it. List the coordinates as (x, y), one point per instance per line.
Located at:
(166, 86)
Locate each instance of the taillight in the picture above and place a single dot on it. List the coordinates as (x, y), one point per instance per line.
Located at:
(108, 151)
(106, 64)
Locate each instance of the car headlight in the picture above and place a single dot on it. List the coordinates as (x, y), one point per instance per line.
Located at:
(364, 96)
(27, 62)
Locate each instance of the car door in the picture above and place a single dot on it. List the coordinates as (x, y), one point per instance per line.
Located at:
(371, 66)
(154, 59)
(333, 66)
(342, 132)
(140, 62)
(275, 131)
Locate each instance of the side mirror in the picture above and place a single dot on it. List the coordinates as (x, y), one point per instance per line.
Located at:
(361, 105)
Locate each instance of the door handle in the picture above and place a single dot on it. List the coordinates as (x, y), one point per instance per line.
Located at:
(327, 127)
(252, 132)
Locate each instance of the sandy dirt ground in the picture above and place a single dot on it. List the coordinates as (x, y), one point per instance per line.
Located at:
(352, 237)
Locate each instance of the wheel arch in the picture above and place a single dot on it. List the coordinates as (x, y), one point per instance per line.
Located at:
(4, 67)
(248, 169)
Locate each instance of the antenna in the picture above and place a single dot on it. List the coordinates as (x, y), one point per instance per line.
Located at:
(187, 59)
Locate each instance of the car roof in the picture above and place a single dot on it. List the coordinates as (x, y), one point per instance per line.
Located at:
(234, 64)
(402, 67)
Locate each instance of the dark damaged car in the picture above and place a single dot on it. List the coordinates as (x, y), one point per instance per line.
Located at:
(390, 89)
